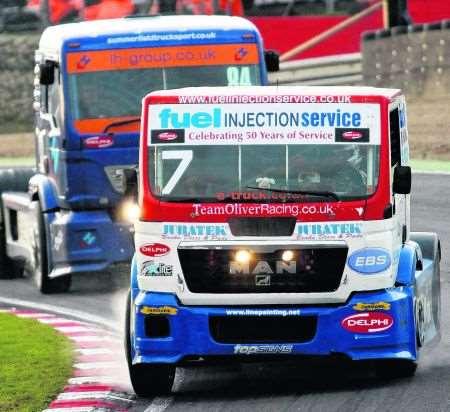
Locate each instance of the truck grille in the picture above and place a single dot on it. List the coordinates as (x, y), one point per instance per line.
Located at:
(309, 270)
(256, 329)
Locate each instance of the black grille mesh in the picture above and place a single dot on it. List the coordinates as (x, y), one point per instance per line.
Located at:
(316, 270)
(267, 226)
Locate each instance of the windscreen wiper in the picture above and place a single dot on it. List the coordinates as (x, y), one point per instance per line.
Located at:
(121, 123)
(321, 193)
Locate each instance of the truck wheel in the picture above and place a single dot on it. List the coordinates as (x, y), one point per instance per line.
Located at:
(40, 263)
(395, 369)
(147, 379)
(11, 180)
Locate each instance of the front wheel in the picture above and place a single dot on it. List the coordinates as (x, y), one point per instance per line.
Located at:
(147, 379)
(39, 264)
(395, 369)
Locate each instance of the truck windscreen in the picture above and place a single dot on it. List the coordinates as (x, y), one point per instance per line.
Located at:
(110, 84)
(247, 173)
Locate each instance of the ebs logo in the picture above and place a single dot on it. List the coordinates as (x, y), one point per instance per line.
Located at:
(369, 260)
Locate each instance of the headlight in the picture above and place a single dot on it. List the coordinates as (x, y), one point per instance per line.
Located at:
(129, 211)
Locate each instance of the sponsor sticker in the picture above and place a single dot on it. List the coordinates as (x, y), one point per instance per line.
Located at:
(369, 260)
(370, 307)
(318, 123)
(193, 231)
(328, 231)
(356, 135)
(262, 312)
(154, 249)
(368, 322)
(239, 209)
(152, 268)
(98, 142)
(161, 310)
(167, 136)
(262, 349)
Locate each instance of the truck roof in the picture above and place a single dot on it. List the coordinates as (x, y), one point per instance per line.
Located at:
(53, 37)
(282, 90)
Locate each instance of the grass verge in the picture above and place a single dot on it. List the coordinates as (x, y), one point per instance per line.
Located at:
(35, 364)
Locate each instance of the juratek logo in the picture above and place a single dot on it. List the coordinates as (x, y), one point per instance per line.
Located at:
(368, 322)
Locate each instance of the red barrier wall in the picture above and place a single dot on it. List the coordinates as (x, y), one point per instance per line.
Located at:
(284, 33)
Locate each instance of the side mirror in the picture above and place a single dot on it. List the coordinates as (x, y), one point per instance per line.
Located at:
(402, 180)
(47, 73)
(272, 59)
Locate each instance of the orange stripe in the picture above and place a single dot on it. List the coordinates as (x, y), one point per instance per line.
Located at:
(98, 125)
(152, 57)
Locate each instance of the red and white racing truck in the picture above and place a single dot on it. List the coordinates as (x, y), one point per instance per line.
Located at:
(276, 222)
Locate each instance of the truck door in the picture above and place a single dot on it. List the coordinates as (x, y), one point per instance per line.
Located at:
(49, 118)
(400, 202)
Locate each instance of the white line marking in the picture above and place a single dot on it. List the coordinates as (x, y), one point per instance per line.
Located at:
(103, 395)
(77, 409)
(38, 316)
(160, 404)
(54, 320)
(75, 329)
(96, 351)
(430, 172)
(82, 380)
(96, 365)
(63, 311)
(92, 338)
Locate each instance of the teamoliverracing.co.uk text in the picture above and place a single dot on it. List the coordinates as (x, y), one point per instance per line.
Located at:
(264, 209)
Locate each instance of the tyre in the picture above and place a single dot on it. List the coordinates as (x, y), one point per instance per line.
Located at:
(39, 264)
(147, 379)
(11, 180)
(395, 369)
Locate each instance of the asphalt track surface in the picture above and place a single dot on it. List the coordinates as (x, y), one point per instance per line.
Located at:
(310, 386)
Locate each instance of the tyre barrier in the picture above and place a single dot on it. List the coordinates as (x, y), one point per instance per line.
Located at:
(415, 58)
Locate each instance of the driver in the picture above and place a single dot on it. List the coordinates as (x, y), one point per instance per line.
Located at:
(333, 168)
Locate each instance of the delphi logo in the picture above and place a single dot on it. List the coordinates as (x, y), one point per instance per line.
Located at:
(167, 136)
(351, 135)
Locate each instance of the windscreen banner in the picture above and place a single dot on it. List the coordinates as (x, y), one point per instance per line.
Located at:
(154, 57)
(230, 124)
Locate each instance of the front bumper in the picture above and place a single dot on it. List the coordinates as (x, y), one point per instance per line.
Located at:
(371, 325)
(86, 241)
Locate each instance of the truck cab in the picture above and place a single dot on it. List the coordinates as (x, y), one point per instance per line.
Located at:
(276, 221)
(90, 79)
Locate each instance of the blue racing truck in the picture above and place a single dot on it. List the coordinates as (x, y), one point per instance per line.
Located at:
(72, 212)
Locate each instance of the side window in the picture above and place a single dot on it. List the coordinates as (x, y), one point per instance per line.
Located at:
(394, 131)
(54, 98)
